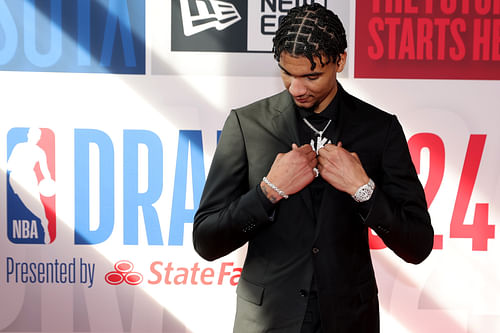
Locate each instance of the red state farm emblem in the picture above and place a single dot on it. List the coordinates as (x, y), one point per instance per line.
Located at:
(123, 272)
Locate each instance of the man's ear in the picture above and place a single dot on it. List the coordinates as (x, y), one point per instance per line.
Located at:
(341, 62)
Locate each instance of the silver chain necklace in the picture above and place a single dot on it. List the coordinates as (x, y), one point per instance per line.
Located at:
(320, 141)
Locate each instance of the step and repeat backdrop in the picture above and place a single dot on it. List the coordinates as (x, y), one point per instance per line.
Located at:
(110, 115)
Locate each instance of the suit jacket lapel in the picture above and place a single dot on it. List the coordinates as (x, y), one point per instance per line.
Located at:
(286, 128)
(341, 115)
(284, 120)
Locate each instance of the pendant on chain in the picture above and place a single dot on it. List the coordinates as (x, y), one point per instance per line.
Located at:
(320, 140)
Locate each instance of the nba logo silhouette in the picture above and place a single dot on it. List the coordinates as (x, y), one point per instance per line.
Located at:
(31, 208)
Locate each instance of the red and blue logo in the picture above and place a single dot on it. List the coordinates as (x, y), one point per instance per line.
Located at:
(31, 186)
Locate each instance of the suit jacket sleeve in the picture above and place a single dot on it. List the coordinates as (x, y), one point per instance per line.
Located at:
(398, 211)
(230, 211)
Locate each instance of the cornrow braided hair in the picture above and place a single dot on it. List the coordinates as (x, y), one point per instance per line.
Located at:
(310, 31)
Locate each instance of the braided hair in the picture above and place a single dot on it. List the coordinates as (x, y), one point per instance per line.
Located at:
(311, 31)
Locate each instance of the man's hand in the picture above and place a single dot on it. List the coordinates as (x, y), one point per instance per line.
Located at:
(341, 168)
(291, 172)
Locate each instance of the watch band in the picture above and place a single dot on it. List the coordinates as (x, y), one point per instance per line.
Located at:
(364, 193)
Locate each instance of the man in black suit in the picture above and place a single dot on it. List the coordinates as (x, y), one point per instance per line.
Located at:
(301, 176)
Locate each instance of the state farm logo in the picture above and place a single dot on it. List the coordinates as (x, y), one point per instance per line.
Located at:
(168, 273)
(123, 273)
(198, 16)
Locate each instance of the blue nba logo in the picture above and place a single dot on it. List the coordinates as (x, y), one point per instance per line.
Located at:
(31, 209)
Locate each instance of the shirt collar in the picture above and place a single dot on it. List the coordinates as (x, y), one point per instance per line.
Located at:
(328, 113)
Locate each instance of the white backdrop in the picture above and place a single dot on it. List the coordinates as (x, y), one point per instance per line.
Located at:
(136, 137)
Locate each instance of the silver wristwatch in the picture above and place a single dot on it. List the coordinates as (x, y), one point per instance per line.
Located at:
(365, 192)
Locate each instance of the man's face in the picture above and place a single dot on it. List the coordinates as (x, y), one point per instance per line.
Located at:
(310, 88)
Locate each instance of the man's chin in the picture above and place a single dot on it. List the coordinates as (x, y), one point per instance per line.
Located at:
(305, 106)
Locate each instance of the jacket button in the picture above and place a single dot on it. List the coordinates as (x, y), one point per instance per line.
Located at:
(315, 250)
(303, 292)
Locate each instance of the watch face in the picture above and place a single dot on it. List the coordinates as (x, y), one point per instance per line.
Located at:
(364, 193)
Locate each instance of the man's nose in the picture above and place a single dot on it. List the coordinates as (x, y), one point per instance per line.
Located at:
(297, 87)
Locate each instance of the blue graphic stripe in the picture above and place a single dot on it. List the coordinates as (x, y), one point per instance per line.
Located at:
(82, 36)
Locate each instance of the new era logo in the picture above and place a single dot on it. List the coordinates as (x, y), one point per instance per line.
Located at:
(198, 16)
(209, 25)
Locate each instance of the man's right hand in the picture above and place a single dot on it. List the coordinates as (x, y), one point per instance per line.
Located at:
(291, 172)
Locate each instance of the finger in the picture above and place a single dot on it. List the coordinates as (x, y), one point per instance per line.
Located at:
(331, 147)
(339, 144)
(311, 154)
(326, 150)
(327, 147)
(356, 157)
(305, 148)
(294, 146)
(322, 161)
(320, 168)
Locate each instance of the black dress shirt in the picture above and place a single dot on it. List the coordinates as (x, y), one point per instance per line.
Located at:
(306, 135)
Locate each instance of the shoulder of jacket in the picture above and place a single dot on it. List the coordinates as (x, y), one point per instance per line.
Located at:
(364, 109)
(274, 102)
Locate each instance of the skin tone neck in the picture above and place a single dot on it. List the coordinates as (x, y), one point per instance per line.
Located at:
(310, 88)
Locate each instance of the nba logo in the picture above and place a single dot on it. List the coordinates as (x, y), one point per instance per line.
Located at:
(31, 187)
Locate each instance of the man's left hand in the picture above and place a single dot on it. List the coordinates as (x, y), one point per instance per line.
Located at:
(341, 168)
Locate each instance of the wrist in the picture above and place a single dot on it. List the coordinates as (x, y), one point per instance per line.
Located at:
(362, 182)
(271, 191)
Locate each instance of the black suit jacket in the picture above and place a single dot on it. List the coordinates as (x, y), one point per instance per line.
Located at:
(284, 250)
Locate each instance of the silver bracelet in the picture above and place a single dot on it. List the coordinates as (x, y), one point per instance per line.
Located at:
(271, 185)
